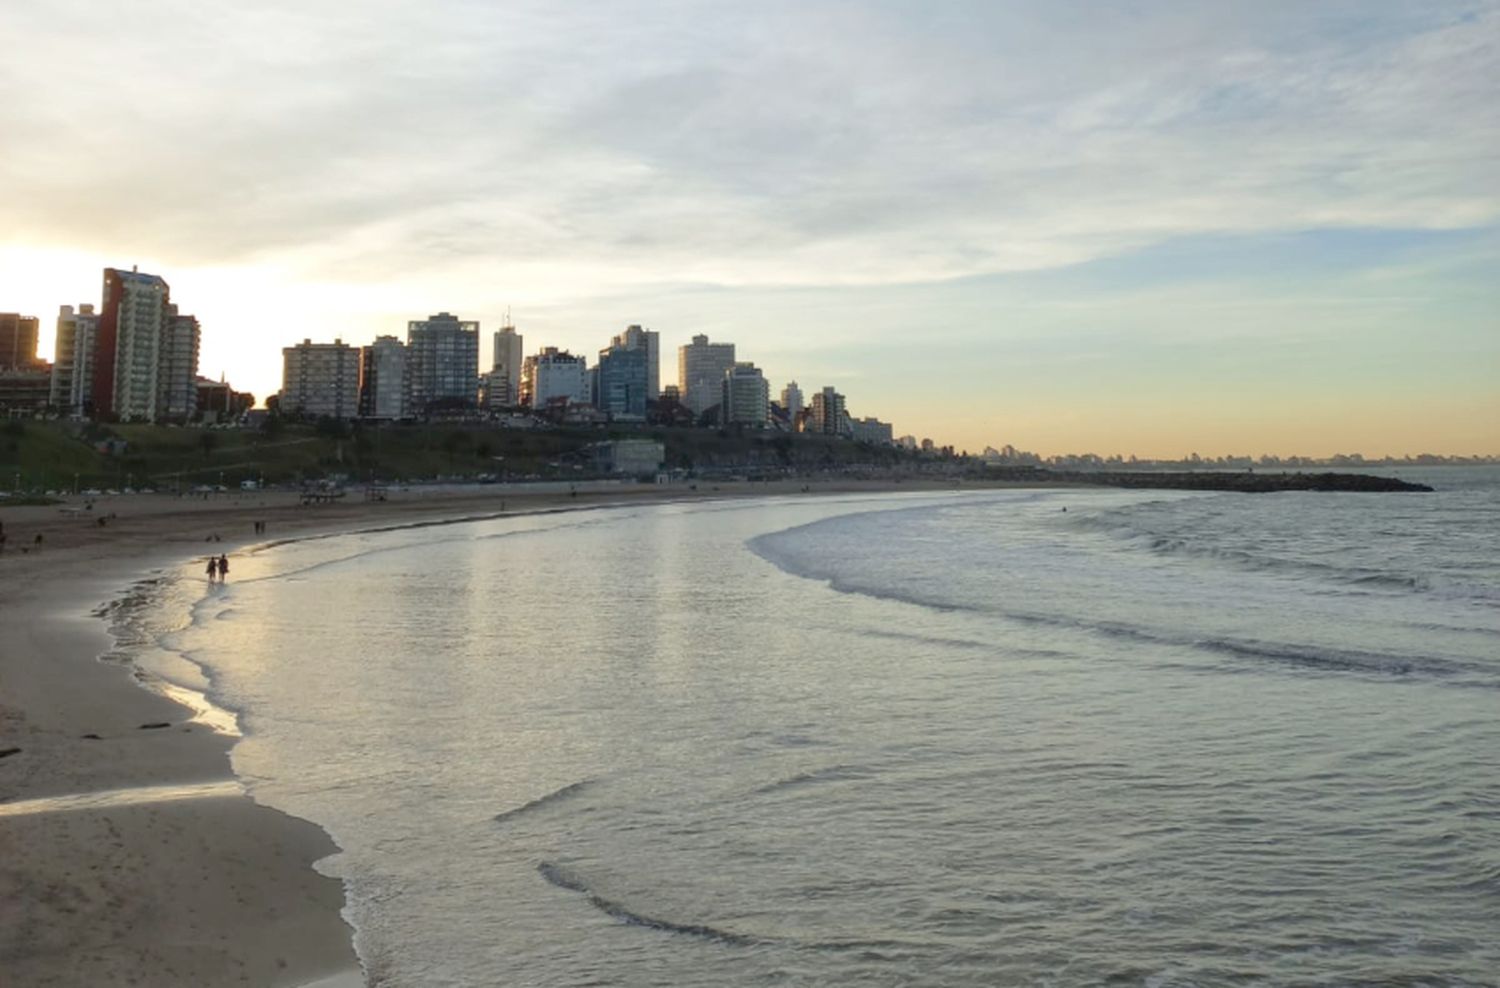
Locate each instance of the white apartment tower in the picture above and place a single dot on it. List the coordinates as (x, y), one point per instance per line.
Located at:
(320, 380)
(745, 397)
(701, 367)
(73, 360)
(145, 353)
(127, 357)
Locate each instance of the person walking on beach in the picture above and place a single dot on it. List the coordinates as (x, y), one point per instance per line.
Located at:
(223, 568)
(213, 569)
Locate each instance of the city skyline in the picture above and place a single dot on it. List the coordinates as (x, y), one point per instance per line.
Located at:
(1156, 232)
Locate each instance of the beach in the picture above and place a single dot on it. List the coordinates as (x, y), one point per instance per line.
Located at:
(750, 734)
(172, 875)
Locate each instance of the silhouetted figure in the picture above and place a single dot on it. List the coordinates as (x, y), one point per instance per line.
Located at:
(223, 568)
(213, 569)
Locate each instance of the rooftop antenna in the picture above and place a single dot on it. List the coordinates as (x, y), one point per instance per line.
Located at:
(507, 318)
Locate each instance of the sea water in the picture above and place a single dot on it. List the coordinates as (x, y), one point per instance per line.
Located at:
(1038, 737)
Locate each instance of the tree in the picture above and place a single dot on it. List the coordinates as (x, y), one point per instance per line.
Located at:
(452, 443)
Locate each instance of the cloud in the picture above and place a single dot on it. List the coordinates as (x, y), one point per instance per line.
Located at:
(826, 143)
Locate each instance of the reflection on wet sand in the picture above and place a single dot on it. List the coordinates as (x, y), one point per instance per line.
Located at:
(111, 798)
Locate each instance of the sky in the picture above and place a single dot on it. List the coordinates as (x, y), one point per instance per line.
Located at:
(1134, 227)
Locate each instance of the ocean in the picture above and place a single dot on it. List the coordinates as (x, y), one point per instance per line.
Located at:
(1017, 737)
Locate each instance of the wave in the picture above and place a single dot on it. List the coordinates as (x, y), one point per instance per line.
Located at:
(140, 615)
(1355, 576)
(1312, 658)
(564, 879)
(833, 773)
(556, 795)
(1375, 579)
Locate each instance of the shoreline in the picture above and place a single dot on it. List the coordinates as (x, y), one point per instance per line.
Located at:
(133, 852)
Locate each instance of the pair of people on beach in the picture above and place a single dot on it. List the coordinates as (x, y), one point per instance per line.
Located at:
(218, 569)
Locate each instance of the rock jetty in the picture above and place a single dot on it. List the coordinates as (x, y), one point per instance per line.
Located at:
(1212, 480)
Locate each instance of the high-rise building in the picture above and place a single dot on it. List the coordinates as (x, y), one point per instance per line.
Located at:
(649, 340)
(177, 372)
(18, 335)
(128, 344)
(443, 362)
(622, 381)
(73, 360)
(320, 380)
(384, 385)
(791, 403)
(745, 397)
(505, 374)
(701, 367)
(829, 415)
(556, 375)
(144, 353)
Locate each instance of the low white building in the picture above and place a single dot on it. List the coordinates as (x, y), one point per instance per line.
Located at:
(633, 457)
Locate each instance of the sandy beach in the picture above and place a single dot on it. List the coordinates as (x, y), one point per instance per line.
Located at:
(128, 852)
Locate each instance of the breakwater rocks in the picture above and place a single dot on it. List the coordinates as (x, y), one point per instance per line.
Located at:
(1209, 480)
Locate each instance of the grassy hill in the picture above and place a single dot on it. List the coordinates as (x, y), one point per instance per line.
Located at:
(40, 455)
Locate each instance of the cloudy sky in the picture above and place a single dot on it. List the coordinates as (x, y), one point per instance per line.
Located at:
(1138, 227)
